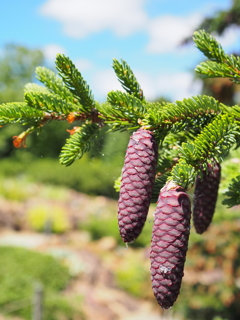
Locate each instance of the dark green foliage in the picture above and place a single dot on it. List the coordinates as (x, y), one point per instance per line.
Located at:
(21, 270)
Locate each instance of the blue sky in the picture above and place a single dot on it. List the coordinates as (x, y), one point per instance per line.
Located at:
(145, 33)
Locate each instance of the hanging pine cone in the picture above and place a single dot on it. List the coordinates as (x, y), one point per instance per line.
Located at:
(169, 243)
(138, 176)
(205, 197)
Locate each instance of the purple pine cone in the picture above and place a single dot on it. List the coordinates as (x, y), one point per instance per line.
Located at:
(138, 177)
(205, 197)
(169, 243)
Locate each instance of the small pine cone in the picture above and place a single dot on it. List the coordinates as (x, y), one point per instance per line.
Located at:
(169, 243)
(205, 197)
(138, 177)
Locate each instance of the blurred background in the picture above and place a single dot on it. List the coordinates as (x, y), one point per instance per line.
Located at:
(61, 254)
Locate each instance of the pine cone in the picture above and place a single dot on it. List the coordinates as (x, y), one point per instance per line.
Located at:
(138, 177)
(169, 243)
(205, 197)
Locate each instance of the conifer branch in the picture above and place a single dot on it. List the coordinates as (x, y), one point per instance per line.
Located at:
(33, 87)
(209, 46)
(50, 103)
(19, 112)
(213, 143)
(79, 142)
(127, 79)
(233, 111)
(75, 82)
(194, 112)
(122, 110)
(220, 64)
(54, 84)
(183, 174)
(233, 193)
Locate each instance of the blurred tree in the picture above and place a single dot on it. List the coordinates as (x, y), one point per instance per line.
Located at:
(222, 89)
(17, 66)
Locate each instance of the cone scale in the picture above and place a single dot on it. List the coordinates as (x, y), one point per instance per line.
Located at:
(205, 197)
(138, 177)
(169, 243)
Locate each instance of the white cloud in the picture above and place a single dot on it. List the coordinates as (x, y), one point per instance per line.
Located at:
(81, 18)
(104, 81)
(166, 32)
(178, 86)
(83, 64)
(175, 86)
(229, 37)
(51, 50)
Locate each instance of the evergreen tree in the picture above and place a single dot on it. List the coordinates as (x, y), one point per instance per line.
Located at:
(191, 135)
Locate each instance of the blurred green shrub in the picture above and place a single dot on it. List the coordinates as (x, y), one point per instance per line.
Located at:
(20, 270)
(90, 176)
(100, 225)
(132, 274)
(51, 218)
(14, 189)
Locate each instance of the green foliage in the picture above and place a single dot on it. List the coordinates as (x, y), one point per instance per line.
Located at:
(191, 113)
(181, 173)
(54, 84)
(209, 46)
(233, 193)
(122, 110)
(49, 102)
(127, 79)
(75, 82)
(19, 113)
(214, 142)
(78, 143)
(220, 64)
(21, 270)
